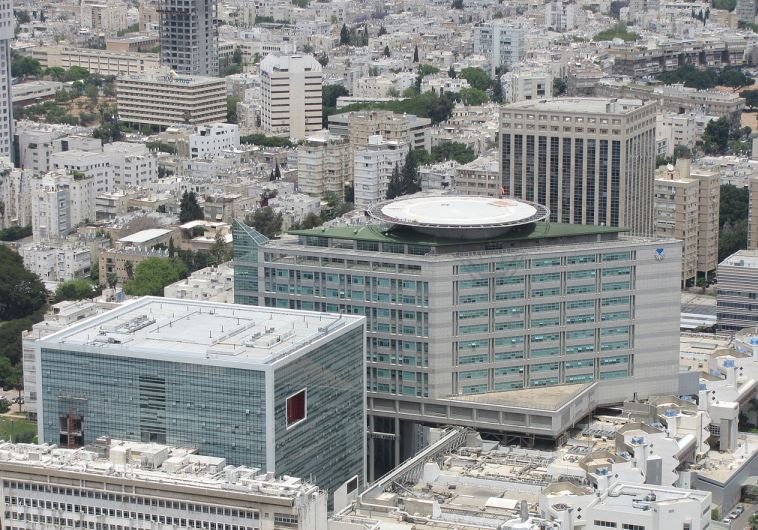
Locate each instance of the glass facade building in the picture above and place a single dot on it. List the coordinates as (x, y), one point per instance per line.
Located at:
(238, 405)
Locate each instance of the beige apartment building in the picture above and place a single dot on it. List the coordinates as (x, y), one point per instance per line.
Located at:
(752, 218)
(102, 62)
(323, 165)
(589, 160)
(687, 208)
(358, 126)
(170, 99)
(480, 177)
(291, 94)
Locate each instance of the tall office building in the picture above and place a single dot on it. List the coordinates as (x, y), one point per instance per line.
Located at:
(278, 390)
(189, 36)
(7, 27)
(589, 160)
(481, 313)
(291, 94)
(503, 45)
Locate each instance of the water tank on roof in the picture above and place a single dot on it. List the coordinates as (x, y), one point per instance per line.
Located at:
(670, 413)
(729, 363)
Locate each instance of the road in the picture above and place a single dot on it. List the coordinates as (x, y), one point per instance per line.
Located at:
(741, 523)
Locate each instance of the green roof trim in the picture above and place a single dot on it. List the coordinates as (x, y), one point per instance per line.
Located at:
(401, 234)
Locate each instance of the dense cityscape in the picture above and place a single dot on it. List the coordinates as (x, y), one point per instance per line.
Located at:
(379, 264)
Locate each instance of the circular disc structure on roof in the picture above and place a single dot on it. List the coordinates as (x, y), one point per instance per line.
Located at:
(456, 216)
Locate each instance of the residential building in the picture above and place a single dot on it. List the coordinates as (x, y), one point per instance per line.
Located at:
(563, 16)
(215, 284)
(638, 8)
(95, 164)
(680, 129)
(474, 305)
(102, 62)
(323, 165)
(373, 165)
(210, 141)
(589, 160)
(35, 142)
(501, 44)
(59, 202)
(279, 390)
(525, 85)
(480, 177)
(737, 292)
(133, 164)
(745, 11)
(291, 95)
(32, 92)
(752, 219)
(15, 195)
(103, 17)
(442, 84)
(7, 28)
(164, 100)
(189, 36)
(57, 263)
(359, 126)
(439, 176)
(123, 261)
(677, 98)
(113, 483)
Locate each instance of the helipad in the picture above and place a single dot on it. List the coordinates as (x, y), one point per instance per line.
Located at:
(459, 216)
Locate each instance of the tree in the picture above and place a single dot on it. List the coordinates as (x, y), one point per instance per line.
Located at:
(477, 78)
(153, 274)
(231, 109)
(21, 292)
(451, 72)
(382, 31)
(497, 90)
(473, 96)
(55, 73)
(220, 251)
(112, 279)
(189, 209)
(76, 290)
(311, 220)
(91, 91)
(394, 186)
(76, 73)
(129, 268)
(733, 214)
(22, 17)
(682, 151)
(751, 98)
(277, 172)
(266, 221)
(559, 87)
(457, 4)
(409, 178)
(387, 51)
(415, 54)
(344, 36)
(22, 66)
(716, 136)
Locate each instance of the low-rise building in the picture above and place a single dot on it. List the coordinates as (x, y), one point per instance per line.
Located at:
(164, 100)
(215, 284)
(101, 62)
(209, 141)
(122, 262)
(439, 176)
(57, 263)
(133, 164)
(479, 177)
(113, 483)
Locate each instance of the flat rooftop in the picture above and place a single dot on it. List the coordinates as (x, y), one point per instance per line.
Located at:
(144, 236)
(191, 331)
(544, 398)
(152, 463)
(742, 258)
(579, 105)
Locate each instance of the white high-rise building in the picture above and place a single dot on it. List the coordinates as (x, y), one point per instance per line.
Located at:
(90, 163)
(373, 165)
(7, 27)
(291, 94)
(133, 165)
(527, 85)
(502, 45)
(15, 193)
